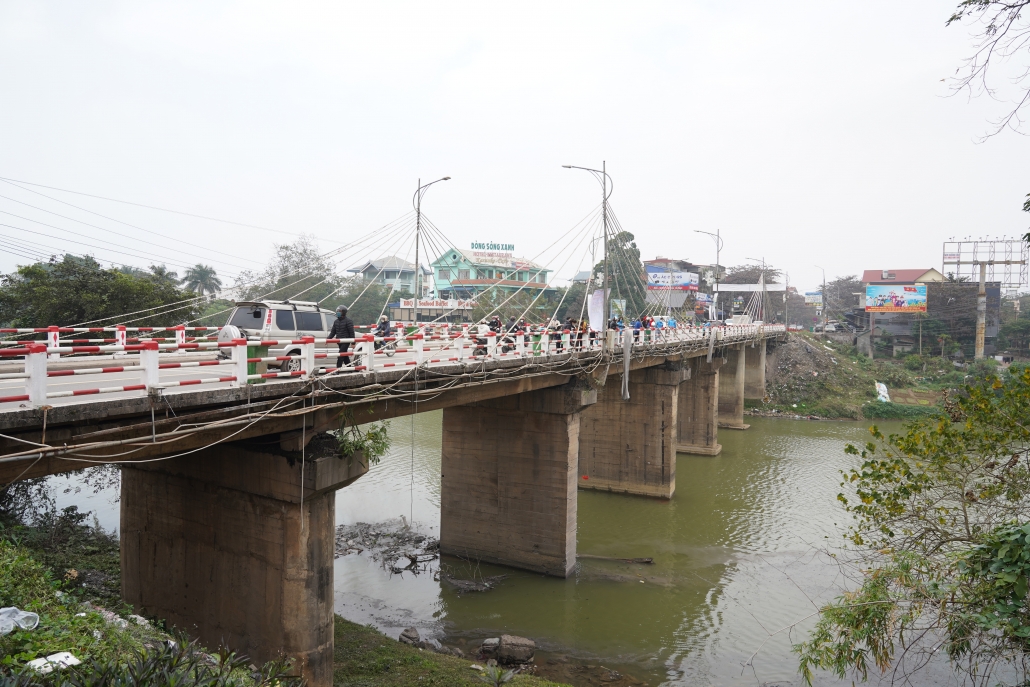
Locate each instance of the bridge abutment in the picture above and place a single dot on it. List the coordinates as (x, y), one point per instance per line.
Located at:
(754, 371)
(697, 419)
(508, 483)
(630, 446)
(731, 388)
(225, 544)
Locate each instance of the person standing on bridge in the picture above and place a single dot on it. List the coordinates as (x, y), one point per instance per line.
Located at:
(343, 328)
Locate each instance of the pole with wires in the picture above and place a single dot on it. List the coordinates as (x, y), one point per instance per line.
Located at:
(606, 191)
(417, 202)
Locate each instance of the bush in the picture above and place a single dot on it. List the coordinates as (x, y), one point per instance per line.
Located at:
(897, 411)
(836, 409)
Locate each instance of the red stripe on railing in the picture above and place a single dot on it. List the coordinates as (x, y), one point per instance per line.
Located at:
(13, 399)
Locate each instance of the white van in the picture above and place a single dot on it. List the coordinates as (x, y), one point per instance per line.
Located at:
(278, 320)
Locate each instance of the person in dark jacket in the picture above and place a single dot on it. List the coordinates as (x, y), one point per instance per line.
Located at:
(343, 328)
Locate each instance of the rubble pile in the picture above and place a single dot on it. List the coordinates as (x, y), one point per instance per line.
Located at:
(394, 543)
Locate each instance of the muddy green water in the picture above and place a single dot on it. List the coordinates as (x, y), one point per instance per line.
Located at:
(740, 553)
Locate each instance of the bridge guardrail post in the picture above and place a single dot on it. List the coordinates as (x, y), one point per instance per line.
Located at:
(459, 342)
(180, 338)
(239, 359)
(119, 339)
(491, 345)
(149, 360)
(366, 351)
(420, 346)
(520, 343)
(566, 340)
(307, 352)
(53, 341)
(35, 367)
(545, 341)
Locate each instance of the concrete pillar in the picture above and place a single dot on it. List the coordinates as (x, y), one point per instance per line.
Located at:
(754, 372)
(630, 446)
(731, 388)
(222, 544)
(697, 421)
(508, 483)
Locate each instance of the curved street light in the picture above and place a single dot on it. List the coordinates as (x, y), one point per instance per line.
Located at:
(607, 187)
(416, 202)
(718, 248)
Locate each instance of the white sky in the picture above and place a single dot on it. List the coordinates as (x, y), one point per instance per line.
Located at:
(810, 135)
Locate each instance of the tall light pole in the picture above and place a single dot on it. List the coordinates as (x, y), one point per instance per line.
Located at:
(718, 267)
(607, 186)
(416, 200)
(824, 299)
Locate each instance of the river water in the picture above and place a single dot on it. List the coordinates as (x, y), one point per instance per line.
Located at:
(740, 562)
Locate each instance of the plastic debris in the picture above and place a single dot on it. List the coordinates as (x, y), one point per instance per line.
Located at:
(11, 618)
(881, 393)
(61, 659)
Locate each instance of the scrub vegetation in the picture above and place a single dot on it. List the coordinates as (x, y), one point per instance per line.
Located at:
(940, 546)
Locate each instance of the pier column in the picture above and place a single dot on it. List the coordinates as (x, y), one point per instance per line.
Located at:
(754, 372)
(630, 446)
(697, 420)
(227, 545)
(731, 388)
(508, 482)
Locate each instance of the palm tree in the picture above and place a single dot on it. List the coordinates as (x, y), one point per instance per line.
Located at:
(202, 279)
(162, 273)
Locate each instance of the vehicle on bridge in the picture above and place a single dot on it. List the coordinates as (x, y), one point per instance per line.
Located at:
(278, 320)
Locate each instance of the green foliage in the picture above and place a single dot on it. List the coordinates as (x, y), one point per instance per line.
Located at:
(879, 410)
(1015, 334)
(79, 289)
(372, 442)
(177, 663)
(496, 676)
(938, 516)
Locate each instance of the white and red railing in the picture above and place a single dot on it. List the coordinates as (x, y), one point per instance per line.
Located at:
(427, 346)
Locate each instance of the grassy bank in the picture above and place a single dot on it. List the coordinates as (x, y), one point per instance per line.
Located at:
(365, 657)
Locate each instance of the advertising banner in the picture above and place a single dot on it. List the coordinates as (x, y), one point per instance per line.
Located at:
(895, 298)
(438, 303)
(660, 278)
(595, 310)
(813, 297)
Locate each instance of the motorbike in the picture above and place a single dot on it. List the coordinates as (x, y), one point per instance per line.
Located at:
(387, 347)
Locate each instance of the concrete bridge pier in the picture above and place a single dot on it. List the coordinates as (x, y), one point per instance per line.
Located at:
(228, 544)
(754, 371)
(508, 482)
(697, 420)
(731, 388)
(630, 446)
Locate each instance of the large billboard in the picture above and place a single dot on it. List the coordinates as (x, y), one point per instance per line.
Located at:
(895, 298)
(813, 297)
(661, 278)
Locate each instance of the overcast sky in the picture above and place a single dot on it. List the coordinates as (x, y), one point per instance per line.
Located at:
(809, 135)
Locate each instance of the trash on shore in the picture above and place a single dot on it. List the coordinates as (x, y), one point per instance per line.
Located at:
(482, 584)
(61, 659)
(11, 618)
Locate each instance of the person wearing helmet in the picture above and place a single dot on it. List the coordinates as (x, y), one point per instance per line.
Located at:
(343, 328)
(383, 328)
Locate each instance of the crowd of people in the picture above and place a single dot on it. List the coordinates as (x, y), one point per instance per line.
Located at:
(579, 330)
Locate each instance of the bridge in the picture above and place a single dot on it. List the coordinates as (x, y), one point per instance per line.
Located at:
(227, 509)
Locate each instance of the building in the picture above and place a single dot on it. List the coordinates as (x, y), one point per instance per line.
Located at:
(948, 308)
(674, 284)
(393, 272)
(462, 274)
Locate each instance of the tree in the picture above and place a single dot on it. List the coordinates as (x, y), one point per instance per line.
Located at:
(161, 274)
(750, 274)
(840, 295)
(202, 279)
(941, 545)
(1015, 334)
(625, 273)
(78, 289)
(297, 271)
(1002, 32)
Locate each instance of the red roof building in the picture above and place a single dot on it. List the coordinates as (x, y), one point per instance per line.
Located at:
(901, 276)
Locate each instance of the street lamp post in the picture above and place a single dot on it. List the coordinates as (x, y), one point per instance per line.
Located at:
(718, 248)
(416, 200)
(607, 186)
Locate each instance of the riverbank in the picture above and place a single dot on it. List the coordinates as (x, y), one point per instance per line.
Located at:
(67, 571)
(810, 377)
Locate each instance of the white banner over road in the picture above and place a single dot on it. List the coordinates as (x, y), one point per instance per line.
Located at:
(750, 287)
